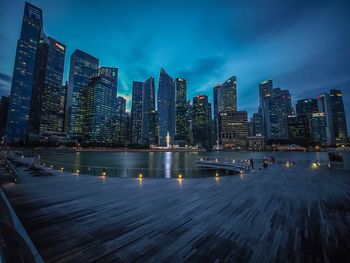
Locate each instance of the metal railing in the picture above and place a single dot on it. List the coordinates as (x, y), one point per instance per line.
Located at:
(15, 244)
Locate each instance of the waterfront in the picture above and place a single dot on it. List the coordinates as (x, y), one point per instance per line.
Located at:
(168, 164)
(282, 214)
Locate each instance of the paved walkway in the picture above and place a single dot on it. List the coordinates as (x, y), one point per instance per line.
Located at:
(280, 214)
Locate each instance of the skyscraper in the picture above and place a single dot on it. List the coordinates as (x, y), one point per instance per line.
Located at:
(119, 122)
(201, 121)
(46, 110)
(82, 67)
(227, 95)
(23, 74)
(216, 112)
(324, 105)
(298, 128)
(338, 116)
(166, 107)
(148, 129)
(265, 93)
(234, 128)
(318, 128)
(136, 112)
(280, 108)
(181, 110)
(258, 124)
(99, 103)
(306, 107)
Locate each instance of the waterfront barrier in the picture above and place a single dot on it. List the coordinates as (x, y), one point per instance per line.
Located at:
(15, 244)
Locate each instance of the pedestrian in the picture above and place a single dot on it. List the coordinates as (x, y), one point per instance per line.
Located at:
(251, 164)
(265, 164)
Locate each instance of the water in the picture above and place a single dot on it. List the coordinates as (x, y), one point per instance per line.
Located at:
(164, 164)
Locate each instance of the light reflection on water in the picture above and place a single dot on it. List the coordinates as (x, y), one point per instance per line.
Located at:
(169, 164)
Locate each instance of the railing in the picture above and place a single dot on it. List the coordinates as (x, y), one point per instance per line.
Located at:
(12, 170)
(15, 244)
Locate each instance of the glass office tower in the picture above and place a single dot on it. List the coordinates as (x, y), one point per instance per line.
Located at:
(136, 112)
(338, 116)
(166, 107)
(82, 67)
(23, 74)
(181, 110)
(148, 129)
(47, 110)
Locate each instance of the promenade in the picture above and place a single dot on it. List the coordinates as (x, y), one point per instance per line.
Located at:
(284, 214)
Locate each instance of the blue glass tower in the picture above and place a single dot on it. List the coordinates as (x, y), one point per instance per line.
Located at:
(136, 112)
(99, 105)
(148, 129)
(47, 109)
(23, 74)
(166, 107)
(82, 67)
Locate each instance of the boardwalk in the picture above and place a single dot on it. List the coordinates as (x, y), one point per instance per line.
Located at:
(282, 214)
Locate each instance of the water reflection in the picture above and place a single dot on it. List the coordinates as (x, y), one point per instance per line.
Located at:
(180, 182)
(167, 164)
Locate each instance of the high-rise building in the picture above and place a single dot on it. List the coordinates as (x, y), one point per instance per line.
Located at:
(279, 108)
(201, 115)
(128, 128)
(4, 108)
(82, 67)
(318, 128)
(166, 107)
(148, 129)
(47, 108)
(189, 118)
(119, 122)
(136, 112)
(216, 112)
(234, 128)
(98, 101)
(306, 107)
(338, 116)
(298, 128)
(258, 125)
(181, 110)
(227, 95)
(23, 74)
(265, 94)
(324, 105)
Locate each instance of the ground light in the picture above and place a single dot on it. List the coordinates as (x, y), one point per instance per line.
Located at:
(140, 176)
(315, 165)
(180, 176)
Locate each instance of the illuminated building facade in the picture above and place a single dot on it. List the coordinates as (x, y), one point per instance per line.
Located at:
(234, 129)
(166, 107)
(201, 118)
(136, 112)
(82, 67)
(338, 116)
(148, 129)
(23, 74)
(181, 110)
(47, 106)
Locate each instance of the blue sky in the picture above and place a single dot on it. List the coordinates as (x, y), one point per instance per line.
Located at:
(304, 46)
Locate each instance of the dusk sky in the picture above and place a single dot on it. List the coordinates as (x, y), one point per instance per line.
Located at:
(304, 46)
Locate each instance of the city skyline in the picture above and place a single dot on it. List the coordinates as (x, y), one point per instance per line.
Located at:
(201, 77)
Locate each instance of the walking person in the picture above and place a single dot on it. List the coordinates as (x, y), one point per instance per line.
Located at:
(251, 164)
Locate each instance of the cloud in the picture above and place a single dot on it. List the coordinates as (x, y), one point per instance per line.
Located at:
(4, 77)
